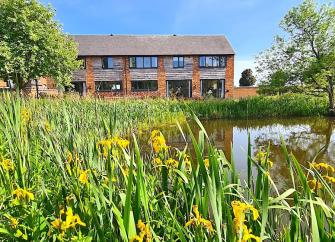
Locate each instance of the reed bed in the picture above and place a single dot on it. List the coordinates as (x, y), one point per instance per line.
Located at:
(72, 170)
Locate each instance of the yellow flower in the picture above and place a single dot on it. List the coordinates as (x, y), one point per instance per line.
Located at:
(329, 179)
(71, 221)
(83, 177)
(198, 220)
(314, 184)
(144, 232)
(158, 141)
(123, 143)
(239, 210)
(69, 157)
(13, 222)
(206, 162)
(23, 194)
(7, 165)
(323, 167)
(57, 223)
(157, 161)
(25, 115)
(262, 158)
(171, 163)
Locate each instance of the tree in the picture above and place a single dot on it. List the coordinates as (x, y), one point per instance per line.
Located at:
(32, 44)
(306, 54)
(247, 78)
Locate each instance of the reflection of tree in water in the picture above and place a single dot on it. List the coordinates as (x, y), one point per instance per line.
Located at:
(305, 141)
(304, 137)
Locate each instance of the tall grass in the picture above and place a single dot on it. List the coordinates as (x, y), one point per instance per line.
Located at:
(66, 175)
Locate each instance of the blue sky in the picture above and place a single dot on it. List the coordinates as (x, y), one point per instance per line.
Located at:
(250, 25)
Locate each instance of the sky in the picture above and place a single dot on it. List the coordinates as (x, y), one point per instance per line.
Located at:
(250, 25)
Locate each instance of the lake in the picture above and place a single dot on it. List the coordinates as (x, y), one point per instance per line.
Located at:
(304, 137)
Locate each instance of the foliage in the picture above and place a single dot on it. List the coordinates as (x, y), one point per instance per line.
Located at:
(303, 60)
(32, 44)
(65, 174)
(247, 78)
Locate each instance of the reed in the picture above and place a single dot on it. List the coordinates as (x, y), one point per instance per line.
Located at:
(69, 172)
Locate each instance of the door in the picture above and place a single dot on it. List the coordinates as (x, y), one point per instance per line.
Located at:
(178, 88)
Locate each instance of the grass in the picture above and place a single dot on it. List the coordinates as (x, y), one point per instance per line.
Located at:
(66, 175)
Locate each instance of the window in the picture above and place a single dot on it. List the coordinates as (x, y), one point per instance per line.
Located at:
(83, 62)
(108, 86)
(212, 61)
(178, 62)
(145, 85)
(107, 63)
(212, 88)
(141, 62)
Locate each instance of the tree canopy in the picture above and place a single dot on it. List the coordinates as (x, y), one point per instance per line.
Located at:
(33, 45)
(247, 78)
(303, 59)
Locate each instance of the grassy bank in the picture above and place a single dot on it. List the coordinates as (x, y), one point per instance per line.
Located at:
(292, 105)
(66, 175)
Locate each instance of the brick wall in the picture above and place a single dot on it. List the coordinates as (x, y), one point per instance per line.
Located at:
(242, 92)
(229, 83)
(161, 77)
(196, 78)
(90, 75)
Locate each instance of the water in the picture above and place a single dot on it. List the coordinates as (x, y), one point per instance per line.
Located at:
(304, 137)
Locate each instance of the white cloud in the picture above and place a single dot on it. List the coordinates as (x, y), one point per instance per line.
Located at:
(241, 65)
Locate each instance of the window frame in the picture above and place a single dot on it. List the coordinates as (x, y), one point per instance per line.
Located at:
(109, 90)
(179, 61)
(144, 90)
(153, 64)
(221, 61)
(103, 63)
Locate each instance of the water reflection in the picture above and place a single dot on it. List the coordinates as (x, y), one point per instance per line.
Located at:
(305, 137)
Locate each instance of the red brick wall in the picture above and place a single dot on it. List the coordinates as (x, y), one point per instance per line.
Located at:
(161, 77)
(90, 75)
(241, 92)
(229, 83)
(196, 78)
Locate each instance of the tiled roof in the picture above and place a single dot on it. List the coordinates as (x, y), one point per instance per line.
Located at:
(125, 45)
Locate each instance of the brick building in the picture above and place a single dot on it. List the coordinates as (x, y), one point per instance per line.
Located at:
(155, 66)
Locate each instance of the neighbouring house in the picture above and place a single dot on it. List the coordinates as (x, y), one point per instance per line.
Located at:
(151, 66)
(155, 66)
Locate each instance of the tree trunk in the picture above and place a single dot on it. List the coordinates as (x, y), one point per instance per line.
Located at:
(331, 111)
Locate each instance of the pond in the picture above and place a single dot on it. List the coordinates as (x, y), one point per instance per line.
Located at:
(304, 137)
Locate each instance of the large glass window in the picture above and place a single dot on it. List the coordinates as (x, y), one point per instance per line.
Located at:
(178, 62)
(212, 61)
(107, 62)
(145, 85)
(179, 88)
(108, 86)
(212, 88)
(141, 62)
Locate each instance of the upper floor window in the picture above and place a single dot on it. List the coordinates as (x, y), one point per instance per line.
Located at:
(108, 86)
(142, 62)
(107, 62)
(178, 62)
(82, 62)
(212, 61)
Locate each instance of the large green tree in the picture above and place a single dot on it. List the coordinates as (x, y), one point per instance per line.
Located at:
(303, 58)
(247, 78)
(33, 45)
